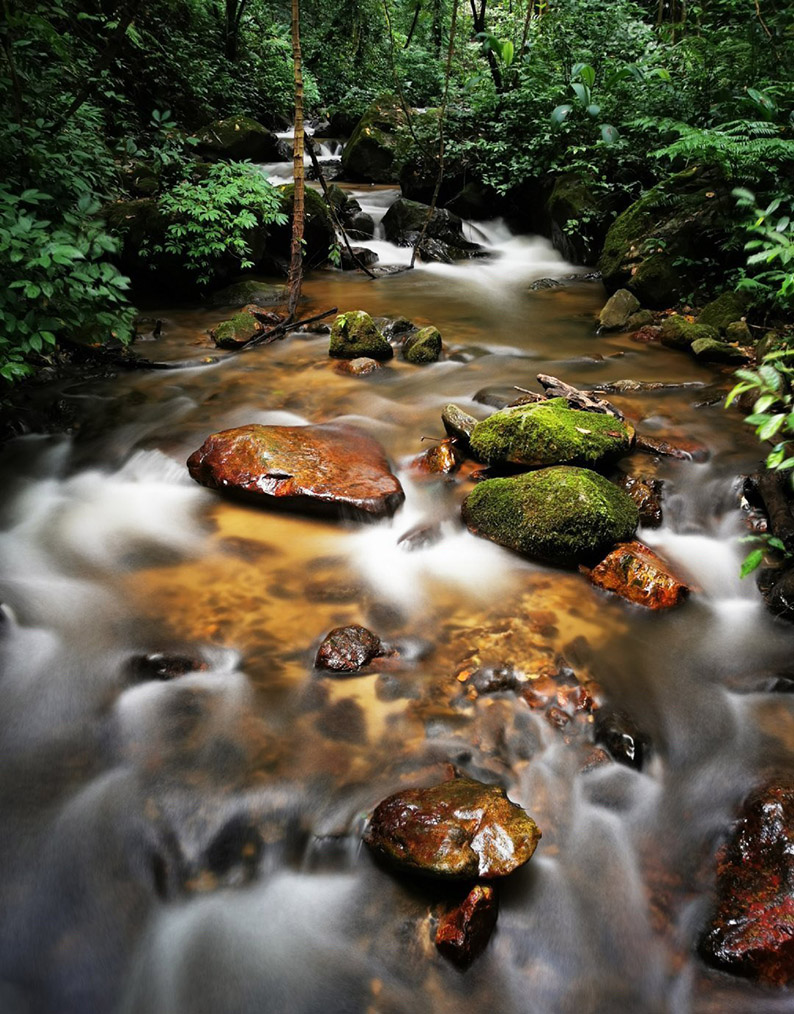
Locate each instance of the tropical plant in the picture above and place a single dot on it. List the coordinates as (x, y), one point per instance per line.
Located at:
(771, 250)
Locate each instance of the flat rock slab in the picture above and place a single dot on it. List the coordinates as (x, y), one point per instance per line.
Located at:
(460, 829)
(636, 573)
(329, 470)
(752, 930)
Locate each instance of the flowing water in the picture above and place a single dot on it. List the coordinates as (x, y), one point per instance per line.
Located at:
(192, 846)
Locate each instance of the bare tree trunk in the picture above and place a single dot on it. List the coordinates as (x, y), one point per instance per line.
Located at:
(296, 251)
(417, 11)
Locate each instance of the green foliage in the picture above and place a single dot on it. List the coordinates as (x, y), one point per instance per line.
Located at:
(771, 249)
(55, 279)
(215, 217)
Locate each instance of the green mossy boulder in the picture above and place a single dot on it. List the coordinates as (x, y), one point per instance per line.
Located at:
(560, 515)
(739, 332)
(239, 329)
(724, 310)
(679, 333)
(369, 155)
(661, 246)
(550, 433)
(355, 335)
(240, 137)
(423, 346)
(711, 350)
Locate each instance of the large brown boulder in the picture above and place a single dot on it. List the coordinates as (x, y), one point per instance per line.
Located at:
(311, 469)
(752, 930)
(459, 829)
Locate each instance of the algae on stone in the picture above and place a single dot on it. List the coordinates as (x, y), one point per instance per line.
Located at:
(711, 350)
(355, 335)
(724, 310)
(423, 346)
(679, 333)
(560, 515)
(550, 433)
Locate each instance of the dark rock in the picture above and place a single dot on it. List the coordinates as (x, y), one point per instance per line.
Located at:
(752, 930)
(238, 138)
(494, 680)
(780, 594)
(545, 283)
(240, 294)
(348, 649)
(615, 731)
(356, 257)
(475, 202)
(459, 829)
(163, 666)
(618, 310)
(423, 346)
(712, 351)
(325, 469)
(444, 240)
(395, 329)
(464, 931)
(342, 123)
(636, 573)
(561, 515)
(579, 216)
(647, 494)
(420, 537)
(458, 424)
(319, 232)
(361, 226)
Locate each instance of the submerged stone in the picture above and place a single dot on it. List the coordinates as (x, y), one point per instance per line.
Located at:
(347, 649)
(326, 469)
(616, 731)
(752, 930)
(360, 367)
(458, 424)
(464, 931)
(550, 433)
(561, 515)
(636, 573)
(647, 494)
(460, 829)
(355, 335)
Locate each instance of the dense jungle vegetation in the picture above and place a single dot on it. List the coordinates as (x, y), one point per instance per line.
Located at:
(559, 115)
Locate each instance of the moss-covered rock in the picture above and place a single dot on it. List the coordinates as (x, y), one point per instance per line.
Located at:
(424, 346)
(660, 246)
(724, 310)
(618, 310)
(642, 318)
(711, 350)
(579, 217)
(240, 137)
(354, 334)
(237, 330)
(679, 333)
(369, 155)
(739, 332)
(550, 433)
(560, 515)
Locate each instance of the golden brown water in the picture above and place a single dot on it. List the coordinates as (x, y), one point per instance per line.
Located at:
(114, 795)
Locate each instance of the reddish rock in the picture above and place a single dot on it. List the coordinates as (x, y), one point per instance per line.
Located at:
(636, 573)
(683, 450)
(752, 930)
(464, 931)
(459, 829)
(647, 494)
(320, 469)
(360, 367)
(647, 334)
(347, 649)
(443, 459)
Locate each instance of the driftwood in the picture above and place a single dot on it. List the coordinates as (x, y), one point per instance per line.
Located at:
(650, 445)
(266, 337)
(586, 401)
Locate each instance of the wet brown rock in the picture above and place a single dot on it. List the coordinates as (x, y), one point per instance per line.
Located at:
(752, 930)
(682, 450)
(347, 649)
(360, 367)
(636, 573)
(459, 829)
(647, 494)
(646, 335)
(317, 469)
(421, 536)
(443, 459)
(464, 931)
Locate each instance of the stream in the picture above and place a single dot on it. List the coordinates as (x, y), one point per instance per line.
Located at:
(192, 846)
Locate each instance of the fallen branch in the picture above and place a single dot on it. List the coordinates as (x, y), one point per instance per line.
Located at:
(266, 337)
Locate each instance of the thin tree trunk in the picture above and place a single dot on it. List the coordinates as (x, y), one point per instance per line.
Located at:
(478, 17)
(442, 114)
(413, 25)
(296, 251)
